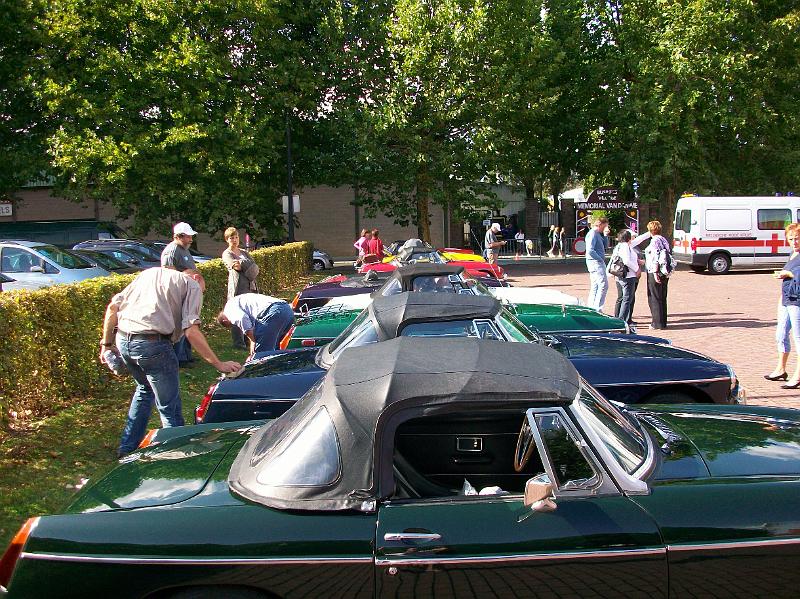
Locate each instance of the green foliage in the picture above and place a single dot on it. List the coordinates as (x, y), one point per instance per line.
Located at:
(173, 108)
(49, 338)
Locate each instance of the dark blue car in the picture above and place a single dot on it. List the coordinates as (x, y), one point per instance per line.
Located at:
(625, 368)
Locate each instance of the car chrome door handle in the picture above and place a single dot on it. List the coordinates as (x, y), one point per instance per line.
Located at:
(412, 537)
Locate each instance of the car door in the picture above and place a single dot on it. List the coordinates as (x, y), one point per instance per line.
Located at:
(597, 542)
(17, 262)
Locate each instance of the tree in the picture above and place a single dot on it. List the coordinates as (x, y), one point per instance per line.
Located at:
(178, 110)
(22, 124)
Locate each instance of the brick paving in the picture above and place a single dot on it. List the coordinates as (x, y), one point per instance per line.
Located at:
(730, 318)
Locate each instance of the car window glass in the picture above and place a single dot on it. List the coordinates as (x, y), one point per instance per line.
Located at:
(141, 254)
(440, 284)
(619, 434)
(571, 468)
(483, 329)
(62, 257)
(309, 457)
(773, 219)
(354, 336)
(393, 287)
(18, 260)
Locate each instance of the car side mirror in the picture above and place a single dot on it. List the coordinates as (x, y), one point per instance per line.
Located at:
(539, 496)
(37, 269)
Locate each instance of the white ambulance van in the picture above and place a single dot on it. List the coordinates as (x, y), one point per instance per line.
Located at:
(723, 232)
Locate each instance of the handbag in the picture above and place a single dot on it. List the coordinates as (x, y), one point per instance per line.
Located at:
(616, 266)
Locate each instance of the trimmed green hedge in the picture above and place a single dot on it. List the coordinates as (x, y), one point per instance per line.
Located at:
(49, 339)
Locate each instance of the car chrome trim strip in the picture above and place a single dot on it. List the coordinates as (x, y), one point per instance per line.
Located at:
(675, 382)
(734, 545)
(572, 555)
(194, 561)
(253, 399)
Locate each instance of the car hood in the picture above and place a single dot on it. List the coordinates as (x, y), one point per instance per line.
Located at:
(739, 440)
(284, 375)
(577, 345)
(167, 472)
(548, 317)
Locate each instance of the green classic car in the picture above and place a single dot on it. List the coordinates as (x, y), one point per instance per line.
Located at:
(481, 476)
(320, 326)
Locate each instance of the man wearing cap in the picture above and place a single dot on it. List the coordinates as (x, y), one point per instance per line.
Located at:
(491, 244)
(159, 307)
(263, 319)
(177, 256)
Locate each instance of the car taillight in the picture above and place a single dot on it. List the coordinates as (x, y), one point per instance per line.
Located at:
(10, 557)
(286, 338)
(295, 300)
(308, 342)
(201, 410)
(693, 244)
(148, 438)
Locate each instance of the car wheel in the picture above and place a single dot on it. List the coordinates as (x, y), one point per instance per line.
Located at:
(671, 397)
(698, 269)
(213, 592)
(719, 264)
(318, 265)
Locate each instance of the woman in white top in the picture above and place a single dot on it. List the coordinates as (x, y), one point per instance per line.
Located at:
(626, 287)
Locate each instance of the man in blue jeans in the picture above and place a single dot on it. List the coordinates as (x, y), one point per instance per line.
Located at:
(263, 319)
(157, 309)
(596, 244)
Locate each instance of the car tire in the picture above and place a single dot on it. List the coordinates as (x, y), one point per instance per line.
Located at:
(698, 269)
(318, 265)
(214, 591)
(671, 397)
(719, 263)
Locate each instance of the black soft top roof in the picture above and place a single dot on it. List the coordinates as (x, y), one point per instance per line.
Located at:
(406, 275)
(371, 389)
(393, 312)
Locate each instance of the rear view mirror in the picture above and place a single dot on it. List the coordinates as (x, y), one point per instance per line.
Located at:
(37, 269)
(539, 495)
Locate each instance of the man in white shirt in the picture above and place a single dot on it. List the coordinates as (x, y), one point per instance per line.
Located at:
(264, 320)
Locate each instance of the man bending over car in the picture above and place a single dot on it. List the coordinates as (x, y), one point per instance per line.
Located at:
(262, 319)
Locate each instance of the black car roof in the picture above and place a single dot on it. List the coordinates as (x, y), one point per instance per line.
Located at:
(392, 312)
(373, 388)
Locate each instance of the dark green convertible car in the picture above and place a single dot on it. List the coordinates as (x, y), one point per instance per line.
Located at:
(498, 474)
(321, 325)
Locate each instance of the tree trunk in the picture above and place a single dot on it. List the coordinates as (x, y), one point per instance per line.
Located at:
(666, 211)
(423, 207)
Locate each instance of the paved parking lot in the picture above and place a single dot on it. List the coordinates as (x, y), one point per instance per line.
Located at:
(730, 317)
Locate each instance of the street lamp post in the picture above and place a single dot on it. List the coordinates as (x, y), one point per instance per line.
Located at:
(289, 190)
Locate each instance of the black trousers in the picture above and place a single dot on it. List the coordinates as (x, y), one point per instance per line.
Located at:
(657, 300)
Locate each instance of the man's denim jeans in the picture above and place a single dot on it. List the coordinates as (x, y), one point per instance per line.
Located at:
(598, 284)
(154, 367)
(272, 324)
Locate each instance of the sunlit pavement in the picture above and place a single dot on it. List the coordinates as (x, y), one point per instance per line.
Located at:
(730, 318)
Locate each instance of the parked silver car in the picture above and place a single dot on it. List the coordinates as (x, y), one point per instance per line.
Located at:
(33, 265)
(321, 260)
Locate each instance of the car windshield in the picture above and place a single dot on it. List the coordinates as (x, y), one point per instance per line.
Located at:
(144, 252)
(515, 330)
(63, 258)
(432, 257)
(103, 260)
(619, 433)
(359, 332)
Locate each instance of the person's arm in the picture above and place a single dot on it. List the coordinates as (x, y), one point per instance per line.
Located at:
(230, 260)
(168, 257)
(109, 324)
(636, 241)
(199, 342)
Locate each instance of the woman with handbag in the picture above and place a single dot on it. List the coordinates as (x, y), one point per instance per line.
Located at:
(242, 276)
(624, 265)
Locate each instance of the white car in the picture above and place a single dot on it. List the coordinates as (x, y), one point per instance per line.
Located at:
(34, 265)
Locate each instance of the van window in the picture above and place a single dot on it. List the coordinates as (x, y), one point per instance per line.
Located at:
(683, 221)
(728, 220)
(774, 219)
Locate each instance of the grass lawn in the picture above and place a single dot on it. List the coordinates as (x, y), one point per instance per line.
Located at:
(43, 464)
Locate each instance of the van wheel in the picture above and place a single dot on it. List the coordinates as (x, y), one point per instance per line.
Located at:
(719, 264)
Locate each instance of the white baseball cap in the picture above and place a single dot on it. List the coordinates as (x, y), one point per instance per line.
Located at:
(183, 229)
(495, 226)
